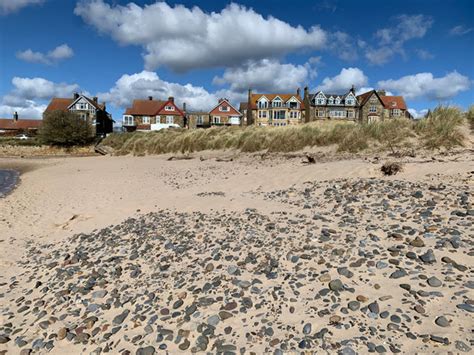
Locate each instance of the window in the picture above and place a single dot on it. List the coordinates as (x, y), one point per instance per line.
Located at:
(199, 120)
(169, 119)
(279, 115)
(224, 108)
(146, 119)
(320, 101)
(337, 114)
(395, 112)
(276, 103)
(81, 106)
(294, 114)
(262, 104)
(350, 102)
(330, 101)
(372, 109)
(216, 119)
(83, 116)
(262, 114)
(279, 124)
(350, 114)
(169, 108)
(338, 101)
(293, 105)
(128, 121)
(320, 113)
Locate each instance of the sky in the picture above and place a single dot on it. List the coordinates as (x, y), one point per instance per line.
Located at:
(199, 51)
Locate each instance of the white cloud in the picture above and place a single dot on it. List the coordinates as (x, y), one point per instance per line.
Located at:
(344, 81)
(392, 39)
(9, 6)
(29, 96)
(363, 89)
(460, 30)
(186, 38)
(146, 83)
(424, 85)
(418, 113)
(57, 54)
(266, 75)
(424, 54)
(343, 46)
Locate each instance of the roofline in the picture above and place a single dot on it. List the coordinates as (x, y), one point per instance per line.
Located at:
(228, 103)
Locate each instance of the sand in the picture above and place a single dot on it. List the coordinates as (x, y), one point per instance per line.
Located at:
(59, 197)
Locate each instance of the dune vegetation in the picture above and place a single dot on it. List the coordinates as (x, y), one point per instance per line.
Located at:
(441, 130)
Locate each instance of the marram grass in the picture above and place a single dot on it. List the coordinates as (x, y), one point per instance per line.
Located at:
(441, 130)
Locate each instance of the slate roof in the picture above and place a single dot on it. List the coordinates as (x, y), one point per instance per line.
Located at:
(284, 97)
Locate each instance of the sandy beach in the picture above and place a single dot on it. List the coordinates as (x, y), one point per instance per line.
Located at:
(238, 254)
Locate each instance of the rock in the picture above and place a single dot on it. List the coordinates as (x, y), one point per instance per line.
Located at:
(149, 350)
(461, 346)
(334, 319)
(433, 281)
(307, 328)
(439, 339)
(374, 307)
(99, 294)
(362, 298)
(466, 307)
(353, 305)
(419, 309)
(398, 274)
(121, 317)
(428, 257)
(336, 285)
(442, 321)
(417, 242)
(62, 332)
(4, 339)
(184, 345)
(213, 320)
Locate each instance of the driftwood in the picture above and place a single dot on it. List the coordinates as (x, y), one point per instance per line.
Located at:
(103, 150)
(391, 168)
(309, 159)
(225, 160)
(180, 157)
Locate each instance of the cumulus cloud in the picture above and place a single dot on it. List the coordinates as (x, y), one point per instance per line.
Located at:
(54, 56)
(9, 6)
(344, 81)
(425, 85)
(29, 96)
(186, 38)
(146, 83)
(460, 30)
(418, 113)
(392, 39)
(266, 75)
(343, 46)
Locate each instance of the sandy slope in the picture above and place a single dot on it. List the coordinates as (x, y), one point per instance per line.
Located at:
(58, 197)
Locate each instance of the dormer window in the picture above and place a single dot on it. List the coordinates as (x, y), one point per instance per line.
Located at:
(350, 102)
(262, 104)
(338, 101)
(169, 108)
(276, 103)
(330, 101)
(320, 101)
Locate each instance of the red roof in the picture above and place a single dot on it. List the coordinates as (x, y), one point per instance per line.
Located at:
(175, 112)
(21, 123)
(144, 107)
(394, 102)
(231, 111)
(58, 104)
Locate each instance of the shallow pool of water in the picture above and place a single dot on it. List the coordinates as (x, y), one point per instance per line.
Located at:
(8, 181)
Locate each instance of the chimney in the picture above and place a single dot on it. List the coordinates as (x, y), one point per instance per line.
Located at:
(298, 92)
(353, 89)
(95, 99)
(184, 106)
(381, 92)
(15, 116)
(76, 96)
(150, 98)
(171, 99)
(306, 92)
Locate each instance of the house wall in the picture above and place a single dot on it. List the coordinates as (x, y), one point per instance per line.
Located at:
(364, 110)
(314, 112)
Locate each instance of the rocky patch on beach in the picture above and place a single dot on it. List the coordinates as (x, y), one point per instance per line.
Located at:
(346, 266)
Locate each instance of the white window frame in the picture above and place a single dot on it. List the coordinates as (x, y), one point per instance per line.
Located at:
(262, 104)
(216, 119)
(128, 120)
(330, 101)
(276, 103)
(373, 109)
(337, 101)
(337, 114)
(169, 119)
(145, 119)
(199, 120)
(169, 108)
(396, 112)
(221, 108)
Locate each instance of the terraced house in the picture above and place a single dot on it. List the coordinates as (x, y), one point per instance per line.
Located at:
(375, 106)
(321, 106)
(148, 115)
(274, 109)
(86, 108)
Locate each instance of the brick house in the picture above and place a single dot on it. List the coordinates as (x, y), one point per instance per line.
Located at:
(323, 106)
(198, 119)
(16, 125)
(224, 114)
(86, 108)
(376, 106)
(275, 109)
(147, 115)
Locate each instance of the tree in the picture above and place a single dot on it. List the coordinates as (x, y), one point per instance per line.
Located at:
(66, 129)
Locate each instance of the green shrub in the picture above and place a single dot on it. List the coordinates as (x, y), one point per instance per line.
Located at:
(65, 129)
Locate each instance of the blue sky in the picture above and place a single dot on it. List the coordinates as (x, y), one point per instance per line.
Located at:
(199, 51)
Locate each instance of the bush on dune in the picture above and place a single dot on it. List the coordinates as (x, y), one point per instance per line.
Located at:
(440, 130)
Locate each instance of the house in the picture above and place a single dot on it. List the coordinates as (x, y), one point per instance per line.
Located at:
(375, 106)
(16, 125)
(198, 119)
(87, 108)
(323, 106)
(243, 109)
(224, 114)
(147, 115)
(275, 109)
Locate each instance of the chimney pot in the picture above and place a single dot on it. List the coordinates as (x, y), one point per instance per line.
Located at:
(15, 116)
(150, 98)
(171, 99)
(95, 99)
(298, 92)
(184, 106)
(76, 96)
